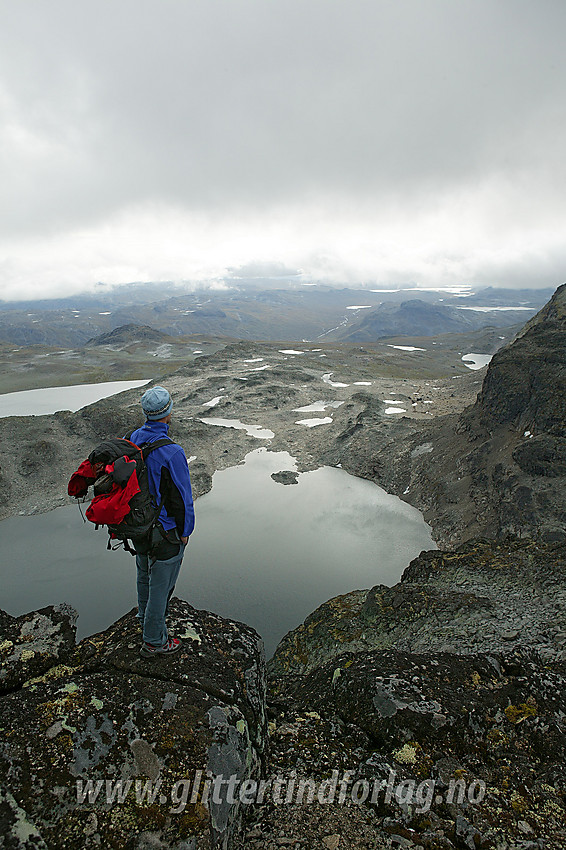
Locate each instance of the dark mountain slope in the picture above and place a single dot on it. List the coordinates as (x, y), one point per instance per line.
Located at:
(500, 466)
(417, 318)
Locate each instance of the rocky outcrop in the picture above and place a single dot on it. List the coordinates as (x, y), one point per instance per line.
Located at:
(452, 679)
(428, 750)
(504, 463)
(285, 476)
(102, 748)
(484, 597)
(129, 333)
(32, 644)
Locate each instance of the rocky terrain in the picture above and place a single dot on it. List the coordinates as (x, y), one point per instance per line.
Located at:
(500, 467)
(427, 715)
(129, 352)
(483, 597)
(256, 383)
(100, 711)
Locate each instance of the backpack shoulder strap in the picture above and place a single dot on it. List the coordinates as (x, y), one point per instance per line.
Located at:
(149, 447)
(146, 448)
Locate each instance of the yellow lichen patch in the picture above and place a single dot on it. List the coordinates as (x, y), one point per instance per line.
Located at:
(550, 809)
(6, 645)
(53, 673)
(27, 655)
(476, 678)
(550, 789)
(60, 708)
(518, 713)
(65, 741)
(518, 803)
(130, 816)
(407, 754)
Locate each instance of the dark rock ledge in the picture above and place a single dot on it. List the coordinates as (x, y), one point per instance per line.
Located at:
(98, 711)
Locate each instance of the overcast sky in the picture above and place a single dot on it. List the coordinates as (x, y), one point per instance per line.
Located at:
(360, 141)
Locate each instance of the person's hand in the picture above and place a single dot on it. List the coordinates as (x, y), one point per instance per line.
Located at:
(184, 540)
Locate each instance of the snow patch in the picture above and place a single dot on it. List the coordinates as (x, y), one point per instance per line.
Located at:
(252, 430)
(317, 406)
(312, 423)
(496, 309)
(405, 347)
(327, 379)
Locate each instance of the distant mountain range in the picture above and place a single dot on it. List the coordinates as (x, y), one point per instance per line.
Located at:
(251, 313)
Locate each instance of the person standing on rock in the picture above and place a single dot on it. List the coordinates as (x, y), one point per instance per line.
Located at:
(169, 483)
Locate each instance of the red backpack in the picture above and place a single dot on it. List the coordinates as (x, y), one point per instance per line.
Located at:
(122, 500)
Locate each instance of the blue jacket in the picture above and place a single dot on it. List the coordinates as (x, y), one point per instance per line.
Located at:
(172, 458)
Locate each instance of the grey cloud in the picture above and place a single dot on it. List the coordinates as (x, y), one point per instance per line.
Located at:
(262, 270)
(240, 108)
(247, 104)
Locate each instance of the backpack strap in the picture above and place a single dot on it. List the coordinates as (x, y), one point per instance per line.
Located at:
(146, 448)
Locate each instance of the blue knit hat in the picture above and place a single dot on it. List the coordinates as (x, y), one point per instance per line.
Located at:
(156, 403)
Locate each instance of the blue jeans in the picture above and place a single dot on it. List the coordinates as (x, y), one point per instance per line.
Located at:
(156, 583)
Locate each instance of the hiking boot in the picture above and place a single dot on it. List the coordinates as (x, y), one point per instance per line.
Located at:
(149, 651)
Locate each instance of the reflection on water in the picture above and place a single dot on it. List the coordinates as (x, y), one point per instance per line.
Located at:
(263, 553)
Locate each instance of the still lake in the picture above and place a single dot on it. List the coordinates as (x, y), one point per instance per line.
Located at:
(52, 399)
(262, 552)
